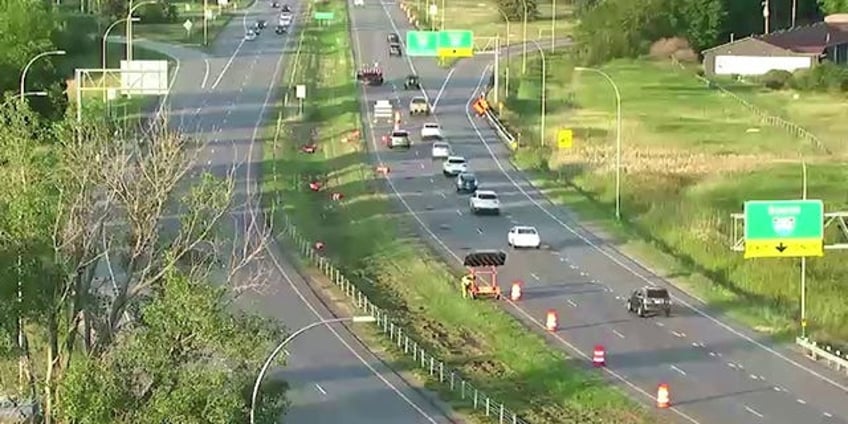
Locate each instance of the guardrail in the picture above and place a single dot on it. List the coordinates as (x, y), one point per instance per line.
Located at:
(833, 358)
(435, 368)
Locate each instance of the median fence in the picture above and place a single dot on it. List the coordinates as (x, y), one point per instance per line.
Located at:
(435, 368)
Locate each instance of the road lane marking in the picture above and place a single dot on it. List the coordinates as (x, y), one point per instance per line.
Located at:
(205, 73)
(753, 411)
(674, 367)
(618, 333)
(571, 302)
(731, 365)
(659, 324)
(801, 401)
(697, 344)
(235, 53)
(678, 334)
(442, 90)
(536, 277)
(459, 212)
(320, 389)
(479, 231)
(444, 196)
(828, 415)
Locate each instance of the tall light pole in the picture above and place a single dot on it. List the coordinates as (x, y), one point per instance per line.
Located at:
(26, 94)
(524, 53)
(506, 89)
(129, 20)
(22, 92)
(443, 15)
(766, 14)
(106, 36)
(803, 258)
(617, 135)
(553, 24)
(544, 99)
(282, 345)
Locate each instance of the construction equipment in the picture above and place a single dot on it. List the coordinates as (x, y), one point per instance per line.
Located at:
(384, 111)
(480, 264)
(370, 76)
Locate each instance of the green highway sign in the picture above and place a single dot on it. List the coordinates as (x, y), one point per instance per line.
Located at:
(422, 43)
(324, 16)
(455, 43)
(784, 228)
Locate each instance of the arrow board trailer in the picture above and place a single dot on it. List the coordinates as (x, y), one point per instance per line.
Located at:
(383, 111)
(482, 263)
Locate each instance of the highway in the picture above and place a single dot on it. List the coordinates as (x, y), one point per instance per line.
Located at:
(223, 97)
(717, 371)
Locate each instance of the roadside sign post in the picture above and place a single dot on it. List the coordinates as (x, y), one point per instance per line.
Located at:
(324, 18)
(565, 138)
(422, 43)
(784, 228)
(300, 93)
(453, 43)
(188, 25)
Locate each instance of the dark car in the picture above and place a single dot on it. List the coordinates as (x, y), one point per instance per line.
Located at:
(393, 38)
(411, 82)
(466, 182)
(261, 23)
(286, 8)
(275, 5)
(395, 50)
(281, 29)
(649, 300)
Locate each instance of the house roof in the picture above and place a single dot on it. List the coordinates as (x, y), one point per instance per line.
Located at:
(809, 39)
(805, 40)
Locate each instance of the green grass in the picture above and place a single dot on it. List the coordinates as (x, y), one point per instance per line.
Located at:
(482, 17)
(691, 156)
(378, 249)
(174, 32)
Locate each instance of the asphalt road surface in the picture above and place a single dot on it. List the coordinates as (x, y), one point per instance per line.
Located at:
(223, 97)
(718, 372)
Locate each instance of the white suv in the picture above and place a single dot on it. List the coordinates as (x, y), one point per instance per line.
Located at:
(431, 130)
(440, 150)
(485, 201)
(454, 165)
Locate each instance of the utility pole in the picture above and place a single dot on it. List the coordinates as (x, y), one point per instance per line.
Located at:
(497, 69)
(766, 14)
(205, 22)
(794, 12)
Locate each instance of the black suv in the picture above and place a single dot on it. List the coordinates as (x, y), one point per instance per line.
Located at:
(393, 38)
(649, 300)
(466, 182)
(411, 82)
(394, 50)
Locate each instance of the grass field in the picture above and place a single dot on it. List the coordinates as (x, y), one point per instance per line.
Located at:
(175, 32)
(691, 156)
(482, 17)
(375, 245)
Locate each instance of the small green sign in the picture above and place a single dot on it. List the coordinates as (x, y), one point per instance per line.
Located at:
(324, 16)
(784, 228)
(422, 43)
(454, 39)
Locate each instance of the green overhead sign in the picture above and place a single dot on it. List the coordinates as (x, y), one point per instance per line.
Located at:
(324, 16)
(450, 43)
(784, 228)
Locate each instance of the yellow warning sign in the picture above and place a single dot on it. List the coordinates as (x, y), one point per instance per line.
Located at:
(565, 138)
(783, 248)
(455, 52)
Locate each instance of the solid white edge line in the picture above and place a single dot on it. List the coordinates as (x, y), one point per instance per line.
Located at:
(235, 53)
(205, 73)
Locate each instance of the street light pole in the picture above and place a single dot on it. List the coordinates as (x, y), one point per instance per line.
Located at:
(524, 53)
(506, 88)
(131, 10)
(27, 94)
(22, 91)
(284, 343)
(617, 135)
(544, 94)
(553, 24)
(803, 259)
(106, 36)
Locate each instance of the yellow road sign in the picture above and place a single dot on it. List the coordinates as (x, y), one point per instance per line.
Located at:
(565, 138)
(789, 248)
(455, 52)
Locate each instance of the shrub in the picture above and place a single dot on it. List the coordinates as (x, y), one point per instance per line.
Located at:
(776, 79)
(827, 76)
(514, 9)
(676, 47)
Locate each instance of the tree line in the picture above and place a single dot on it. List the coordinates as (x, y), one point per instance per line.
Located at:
(611, 29)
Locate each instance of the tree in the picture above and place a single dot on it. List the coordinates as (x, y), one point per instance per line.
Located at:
(101, 216)
(833, 6)
(700, 21)
(514, 9)
(181, 363)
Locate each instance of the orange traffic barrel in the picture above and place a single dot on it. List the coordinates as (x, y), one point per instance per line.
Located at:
(319, 245)
(599, 356)
(515, 292)
(315, 186)
(551, 320)
(337, 196)
(663, 400)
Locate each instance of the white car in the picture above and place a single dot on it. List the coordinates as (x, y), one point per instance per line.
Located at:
(359, 2)
(454, 165)
(431, 130)
(485, 201)
(250, 35)
(286, 19)
(523, 236)
(440, 150)
(399, 138)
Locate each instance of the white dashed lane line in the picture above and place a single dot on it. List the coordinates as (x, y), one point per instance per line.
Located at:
(618, 333)
(675, 368)
(479, 231)
(321, 389)
(459, 212)
(535, 277)
(753, 411)
(571, 303)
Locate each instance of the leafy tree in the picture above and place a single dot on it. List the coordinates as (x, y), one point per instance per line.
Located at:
(185, 361)
(27, 28)
(700, 21)
(514, 9)
(833, 6)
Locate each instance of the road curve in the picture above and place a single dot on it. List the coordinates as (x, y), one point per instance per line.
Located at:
(718, 372)
(223, 97)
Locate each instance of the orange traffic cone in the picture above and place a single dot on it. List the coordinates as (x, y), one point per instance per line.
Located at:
(663, 400)
(599, 356)
(315, 186)
(551, 320)
(319, 245)
(515, 293)
(337, 196)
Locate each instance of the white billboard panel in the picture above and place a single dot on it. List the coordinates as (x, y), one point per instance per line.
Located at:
(759, 65)
(144, 77)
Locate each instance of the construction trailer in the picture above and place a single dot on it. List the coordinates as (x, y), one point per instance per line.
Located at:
(482, 277)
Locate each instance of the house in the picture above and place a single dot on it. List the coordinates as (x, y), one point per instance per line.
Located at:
(797, 48)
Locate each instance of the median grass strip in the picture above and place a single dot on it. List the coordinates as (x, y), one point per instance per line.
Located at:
(376, 246)
(691, 156)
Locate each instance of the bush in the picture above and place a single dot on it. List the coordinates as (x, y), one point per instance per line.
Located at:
(776, 79)
(827, 76)
(676, 47)
(514, 9)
